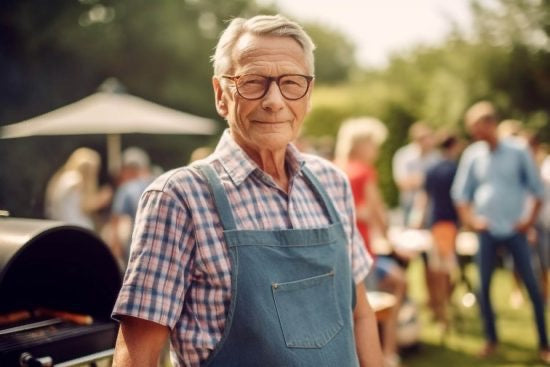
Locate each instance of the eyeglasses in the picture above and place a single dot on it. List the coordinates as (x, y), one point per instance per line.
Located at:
(252, 87)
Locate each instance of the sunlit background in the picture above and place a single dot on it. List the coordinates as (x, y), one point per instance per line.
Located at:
(397, 60)
(400, 61)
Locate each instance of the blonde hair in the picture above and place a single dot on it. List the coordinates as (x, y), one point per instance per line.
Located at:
(261, 25)
(355, 130)
(86, 162)
(81, 158)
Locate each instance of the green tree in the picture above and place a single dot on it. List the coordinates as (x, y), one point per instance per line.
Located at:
(334, 56)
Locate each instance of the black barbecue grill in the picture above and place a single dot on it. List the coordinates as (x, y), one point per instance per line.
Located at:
(58, 285)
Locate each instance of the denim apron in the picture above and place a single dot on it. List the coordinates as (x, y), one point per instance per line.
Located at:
(292, 292)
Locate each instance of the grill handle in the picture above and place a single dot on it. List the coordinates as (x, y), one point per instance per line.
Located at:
(27, 360)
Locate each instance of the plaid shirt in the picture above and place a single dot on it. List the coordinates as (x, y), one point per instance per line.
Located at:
(179, 273)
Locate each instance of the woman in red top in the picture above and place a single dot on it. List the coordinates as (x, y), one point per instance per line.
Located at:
(356, 151)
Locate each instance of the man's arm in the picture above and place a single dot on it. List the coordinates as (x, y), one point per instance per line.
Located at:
(525, 224)
(535, 186)
(139, 343)
(462, 192)
(469, 219)
(367, 340)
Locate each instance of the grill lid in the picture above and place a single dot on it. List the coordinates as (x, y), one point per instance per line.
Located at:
(48, 264)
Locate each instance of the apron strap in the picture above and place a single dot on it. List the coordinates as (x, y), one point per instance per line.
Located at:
(220, 196)
(322, 195)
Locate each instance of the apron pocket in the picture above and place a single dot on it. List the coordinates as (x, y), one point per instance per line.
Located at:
(308, 311)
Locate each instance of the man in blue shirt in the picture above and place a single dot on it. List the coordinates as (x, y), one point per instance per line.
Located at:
(136, 176)
(489, 191)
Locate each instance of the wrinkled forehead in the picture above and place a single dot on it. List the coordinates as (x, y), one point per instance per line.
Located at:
(269, 50)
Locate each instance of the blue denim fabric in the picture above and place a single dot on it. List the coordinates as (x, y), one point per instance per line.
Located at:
(292, 292)
(517, 246)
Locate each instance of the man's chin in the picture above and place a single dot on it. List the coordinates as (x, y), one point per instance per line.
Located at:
(274, 141)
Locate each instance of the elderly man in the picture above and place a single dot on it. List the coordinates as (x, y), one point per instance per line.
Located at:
(250, 257)
(489, 191)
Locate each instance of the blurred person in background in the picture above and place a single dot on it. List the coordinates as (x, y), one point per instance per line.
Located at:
(539, 236)
(492, 181)
(136, 176)
(356, 151)
(543, 223)
(409, 166)
(285, 218)
(513, 130)
(443, 222)
(73, 194)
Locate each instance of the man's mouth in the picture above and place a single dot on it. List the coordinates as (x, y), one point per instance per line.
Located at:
(269, 122)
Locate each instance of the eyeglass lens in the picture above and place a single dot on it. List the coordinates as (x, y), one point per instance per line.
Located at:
(256, 86)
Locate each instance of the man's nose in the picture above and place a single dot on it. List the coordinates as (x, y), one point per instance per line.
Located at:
(273, 99)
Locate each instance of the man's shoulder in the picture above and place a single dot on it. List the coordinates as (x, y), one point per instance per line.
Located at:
(408, 151)
(177, 181)
(442, 165)
(475, 149)
(514, 145)
(441, 170)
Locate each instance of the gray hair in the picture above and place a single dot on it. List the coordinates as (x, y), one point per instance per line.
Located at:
(135, 157)
(478, 111)
(261, 25)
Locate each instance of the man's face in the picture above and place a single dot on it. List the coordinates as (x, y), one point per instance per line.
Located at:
(271, 122)
(483, 128)
(426, 141)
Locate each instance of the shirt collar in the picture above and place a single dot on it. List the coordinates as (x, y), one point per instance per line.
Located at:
(239, 165)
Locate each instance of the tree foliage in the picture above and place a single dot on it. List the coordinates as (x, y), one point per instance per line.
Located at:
(504, 57)
(56, 52)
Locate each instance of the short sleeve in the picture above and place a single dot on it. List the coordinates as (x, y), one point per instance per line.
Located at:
(161, 261)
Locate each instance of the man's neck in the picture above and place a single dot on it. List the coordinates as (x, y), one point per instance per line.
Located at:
(273, 163)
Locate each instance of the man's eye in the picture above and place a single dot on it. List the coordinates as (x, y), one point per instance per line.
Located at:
(293, 81)
(289, 82)
(253, 81)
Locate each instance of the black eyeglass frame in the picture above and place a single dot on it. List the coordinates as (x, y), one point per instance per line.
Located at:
(269, 80)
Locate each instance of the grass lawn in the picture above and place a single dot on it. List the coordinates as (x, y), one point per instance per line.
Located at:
(516, 329)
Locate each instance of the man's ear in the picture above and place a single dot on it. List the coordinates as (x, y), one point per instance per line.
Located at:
(219, 96)
(310, 91)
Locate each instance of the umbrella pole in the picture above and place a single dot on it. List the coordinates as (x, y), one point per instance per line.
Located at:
(113, 154)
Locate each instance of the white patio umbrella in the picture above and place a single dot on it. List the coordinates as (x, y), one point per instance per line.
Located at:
(112, 114)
